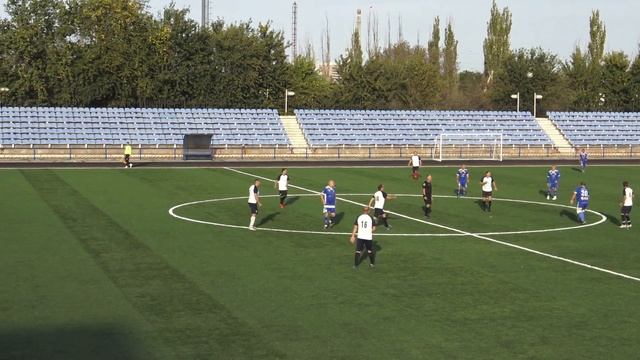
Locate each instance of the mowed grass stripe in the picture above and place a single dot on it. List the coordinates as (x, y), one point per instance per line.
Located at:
(187, 318)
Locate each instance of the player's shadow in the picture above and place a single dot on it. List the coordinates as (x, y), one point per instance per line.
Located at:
(292, 200)
(365, 255)
(480, 204)
(576, 169)
(269, 218)
(570, 214)
(338, 218)
(543, 192)
(613, 219)
(377, 246)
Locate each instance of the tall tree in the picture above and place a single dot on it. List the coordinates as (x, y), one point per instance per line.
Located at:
(472, 94)
(615, 93)
(634, 86)
(584, 70)
(34, 52)
(180, 75)
(450, 62)
(433, 46)
(529, 71)
(497, 44)
(114, 48)
(311, 88)
(576, 72)
(597, 39)
(351, 85)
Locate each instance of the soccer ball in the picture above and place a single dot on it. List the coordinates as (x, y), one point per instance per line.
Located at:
(415, 176)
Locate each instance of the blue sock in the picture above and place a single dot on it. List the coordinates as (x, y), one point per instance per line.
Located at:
(326, 221)
(581, 216)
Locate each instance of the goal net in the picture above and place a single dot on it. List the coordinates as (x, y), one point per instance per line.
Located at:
(468, 146)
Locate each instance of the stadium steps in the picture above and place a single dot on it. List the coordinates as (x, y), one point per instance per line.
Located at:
(294, 132)
(559, 141)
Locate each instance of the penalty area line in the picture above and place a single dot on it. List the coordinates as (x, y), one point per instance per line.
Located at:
(477, 236)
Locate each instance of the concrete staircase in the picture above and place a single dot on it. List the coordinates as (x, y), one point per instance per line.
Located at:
(294, 132)
(559, 140)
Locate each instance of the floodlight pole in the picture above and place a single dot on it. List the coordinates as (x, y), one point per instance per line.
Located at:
(536, 97)
(3, 90)
(287, 93)
(517, 97)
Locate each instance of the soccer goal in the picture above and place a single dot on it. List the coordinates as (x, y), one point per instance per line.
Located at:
(468, 146)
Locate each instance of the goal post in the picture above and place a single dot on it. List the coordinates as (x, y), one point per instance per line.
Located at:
(468, 146)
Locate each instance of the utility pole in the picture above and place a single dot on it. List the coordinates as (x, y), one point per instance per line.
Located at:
(294, 31)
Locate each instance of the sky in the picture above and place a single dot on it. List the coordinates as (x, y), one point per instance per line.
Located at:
(554, 25)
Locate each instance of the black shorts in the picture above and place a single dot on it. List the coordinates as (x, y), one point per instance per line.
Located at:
(253, 208)
(427, 200)
(486, 194)
(378, 212)
(362, 244)
(283, 194)
(625, 210)
(415, 169)
(126, 157)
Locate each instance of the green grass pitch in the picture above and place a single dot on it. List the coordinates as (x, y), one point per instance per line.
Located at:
(94, 266)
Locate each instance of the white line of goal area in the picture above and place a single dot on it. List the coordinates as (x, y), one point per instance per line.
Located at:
(482, 237)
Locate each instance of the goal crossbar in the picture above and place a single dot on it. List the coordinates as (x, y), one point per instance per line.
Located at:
(468, 146)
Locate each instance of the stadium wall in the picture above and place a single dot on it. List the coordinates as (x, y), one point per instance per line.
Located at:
(160, 153)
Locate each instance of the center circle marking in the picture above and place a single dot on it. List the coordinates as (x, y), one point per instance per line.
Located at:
(172, 212)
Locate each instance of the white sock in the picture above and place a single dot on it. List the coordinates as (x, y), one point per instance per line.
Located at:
(253, 221)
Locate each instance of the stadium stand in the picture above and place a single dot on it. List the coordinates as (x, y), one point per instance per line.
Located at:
(350, 127)
(599, 128)
(114, 126)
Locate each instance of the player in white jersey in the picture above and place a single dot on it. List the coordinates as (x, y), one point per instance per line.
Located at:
(626, 205)
(415, 162)
(488, 187)
(378, 200)
(254, 203)
(362, 237)
(282, 184)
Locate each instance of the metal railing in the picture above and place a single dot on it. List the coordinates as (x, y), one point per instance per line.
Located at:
(222, 153)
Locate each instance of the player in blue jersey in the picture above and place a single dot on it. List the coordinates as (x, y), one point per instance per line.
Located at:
(584, 158)
(553, 182)
(581, 196)
(328, 198)
(462, 177)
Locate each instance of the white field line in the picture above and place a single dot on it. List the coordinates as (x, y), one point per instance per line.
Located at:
(173, 209)
(172, 212)
(482, 237)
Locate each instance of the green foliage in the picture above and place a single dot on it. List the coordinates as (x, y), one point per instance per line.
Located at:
(34, 52)
(472, 94)
(615, 81)
(597, 39)
(634, 86)
(312, 89)
(497, 43)
(528, 71)
(584, 70)
(450, 62)
(433, 45)
(116, 53)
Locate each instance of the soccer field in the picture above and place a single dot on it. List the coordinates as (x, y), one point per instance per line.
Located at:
(94, 266)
